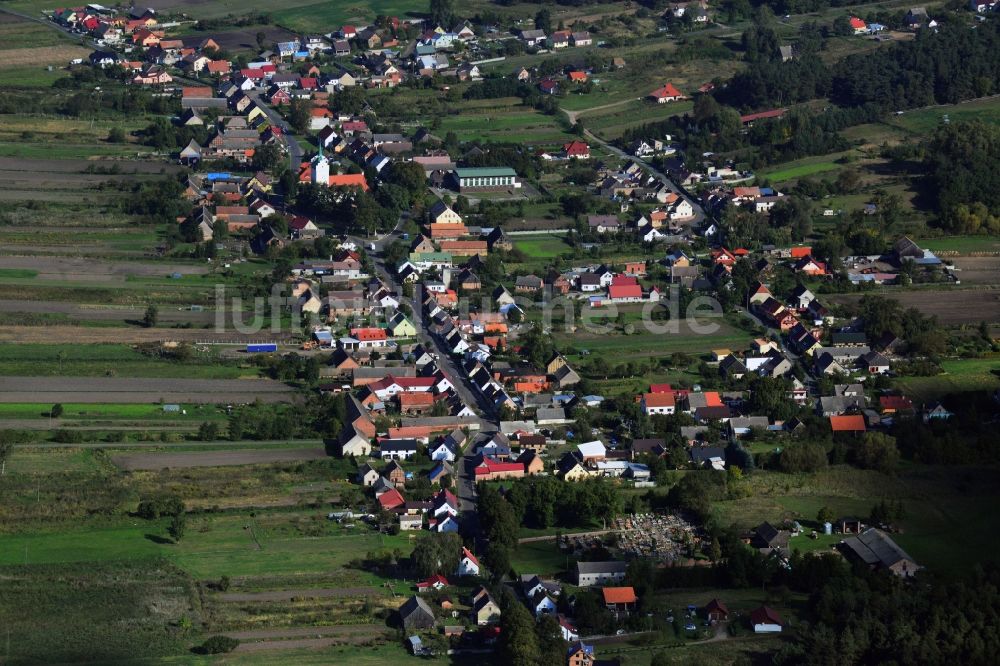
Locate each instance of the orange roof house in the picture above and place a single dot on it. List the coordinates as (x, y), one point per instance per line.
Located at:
(578, 77)
(369, 334)
(848, 423)
(668, 93)
(659, 399)
(219, 67)
(799, 252)
(464, 248)
(447, 230)
(619, 598)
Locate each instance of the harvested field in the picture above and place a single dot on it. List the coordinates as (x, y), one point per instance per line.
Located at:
(135, 390)
(978, 270)
(289, 595)
(43, 55)
(76, 269)
(85, 335)
(246, 40)
(951, 307)
(185, 459)
(123, 167)
(87, 312)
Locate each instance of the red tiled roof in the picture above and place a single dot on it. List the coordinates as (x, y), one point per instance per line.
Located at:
(896, 402)
(468, 553)
(623, 280)
(625, 291)
(391, 499)
(848, 423)
(619, 595)
(760, 115)
(490, 466)
(659, 399)
(667, 90)
(368, 334)
(765, 615)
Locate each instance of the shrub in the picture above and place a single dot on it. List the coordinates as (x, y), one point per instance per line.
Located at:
(218, 645)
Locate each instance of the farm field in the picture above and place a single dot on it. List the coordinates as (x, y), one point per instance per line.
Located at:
(138, 390)
(923, 121)
(104, 613)
(645, 344)
(963, 245)
(611, 123)
(809, 166)
(510, 124)
(178, 460)
(960, 375)
(950, 305)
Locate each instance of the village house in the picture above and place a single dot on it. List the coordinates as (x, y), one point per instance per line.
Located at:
(589, 574)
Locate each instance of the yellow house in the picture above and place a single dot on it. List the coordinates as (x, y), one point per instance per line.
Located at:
(254, 113)
(400, 326)
(571, 470)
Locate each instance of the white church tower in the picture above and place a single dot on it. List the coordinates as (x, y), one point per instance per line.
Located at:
(321, 168)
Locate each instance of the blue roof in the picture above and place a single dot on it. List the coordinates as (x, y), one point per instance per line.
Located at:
(929, 259)
(323, 336)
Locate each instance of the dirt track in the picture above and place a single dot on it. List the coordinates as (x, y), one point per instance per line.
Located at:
(184, 459)
(288, 595)
(139, 390)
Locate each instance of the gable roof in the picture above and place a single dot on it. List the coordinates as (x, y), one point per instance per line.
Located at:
(467, 554)
(619, 595)
(848, 423)
(668, 90)
(765, 615)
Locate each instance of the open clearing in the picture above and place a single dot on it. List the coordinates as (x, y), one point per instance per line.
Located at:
(135, 390)
(183, 459)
